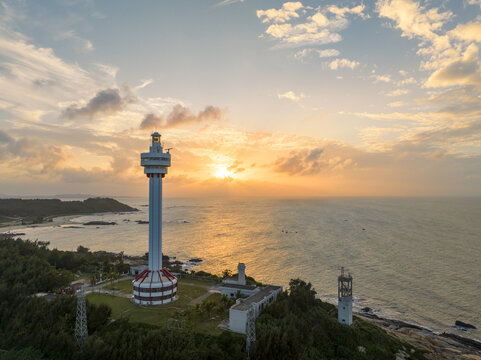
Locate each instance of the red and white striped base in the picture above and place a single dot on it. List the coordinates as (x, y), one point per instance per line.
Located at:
(148, 292)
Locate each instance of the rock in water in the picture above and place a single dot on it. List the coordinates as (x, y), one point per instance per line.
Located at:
(100, 223)
(465, 325)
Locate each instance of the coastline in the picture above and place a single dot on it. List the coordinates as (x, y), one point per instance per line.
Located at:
(56, 221)
(436, 346)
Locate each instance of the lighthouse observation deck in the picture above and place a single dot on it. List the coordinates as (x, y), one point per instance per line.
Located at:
(156, 161)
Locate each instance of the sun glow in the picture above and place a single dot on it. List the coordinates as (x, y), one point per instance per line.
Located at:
(222, 172)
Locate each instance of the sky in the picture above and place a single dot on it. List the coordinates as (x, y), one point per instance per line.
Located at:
(255, 98)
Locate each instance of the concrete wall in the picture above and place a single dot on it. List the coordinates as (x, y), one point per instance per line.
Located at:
(232, 292)
(344, 310)
(241, 271)
(237, 321)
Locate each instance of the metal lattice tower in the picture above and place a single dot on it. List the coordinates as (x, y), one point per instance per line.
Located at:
(344, 285)
(81, 331)
(250, 331)
(175, 325)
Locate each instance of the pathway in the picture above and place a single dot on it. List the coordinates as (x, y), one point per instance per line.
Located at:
(201, 298)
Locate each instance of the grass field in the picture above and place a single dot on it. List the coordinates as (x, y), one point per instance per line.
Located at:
(188, 290)
(124, 286)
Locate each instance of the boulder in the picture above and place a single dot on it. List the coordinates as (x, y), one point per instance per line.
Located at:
(465, 325)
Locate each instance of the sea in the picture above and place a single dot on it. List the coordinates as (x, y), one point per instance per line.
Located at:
(413, 259)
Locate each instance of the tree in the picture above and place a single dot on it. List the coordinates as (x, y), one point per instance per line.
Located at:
(83, 250)
(226, 273)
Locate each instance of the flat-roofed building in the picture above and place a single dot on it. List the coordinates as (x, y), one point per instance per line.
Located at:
(231, 290)
(259, 299)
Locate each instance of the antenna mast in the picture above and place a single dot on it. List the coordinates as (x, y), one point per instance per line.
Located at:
(81, 331)
(250, 332)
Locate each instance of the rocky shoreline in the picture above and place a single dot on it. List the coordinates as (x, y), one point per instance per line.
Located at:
(444, 346)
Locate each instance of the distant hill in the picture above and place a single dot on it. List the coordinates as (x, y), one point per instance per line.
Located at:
(39, 210)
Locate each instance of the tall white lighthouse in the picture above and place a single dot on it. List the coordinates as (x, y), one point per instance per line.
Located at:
(155, 285)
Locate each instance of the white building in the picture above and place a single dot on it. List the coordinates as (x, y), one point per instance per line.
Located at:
(239, 278)
(235, 284)
(261, 298)
(231, 290)
(155, 285)
(344, 294)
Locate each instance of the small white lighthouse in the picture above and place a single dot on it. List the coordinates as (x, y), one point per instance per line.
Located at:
(344, 294)
(155, 285)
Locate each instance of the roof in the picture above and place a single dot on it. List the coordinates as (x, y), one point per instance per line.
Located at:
(255, 298)
(232, 278)
(238, 286)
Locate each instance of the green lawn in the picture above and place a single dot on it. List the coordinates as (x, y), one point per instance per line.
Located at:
(122, 307)
(158, 315)
(124, 286)
(196, 282)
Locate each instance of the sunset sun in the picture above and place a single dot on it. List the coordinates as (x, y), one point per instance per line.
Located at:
(223, 172)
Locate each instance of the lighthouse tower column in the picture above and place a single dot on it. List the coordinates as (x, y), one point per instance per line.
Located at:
(155, 223)
(155, 285)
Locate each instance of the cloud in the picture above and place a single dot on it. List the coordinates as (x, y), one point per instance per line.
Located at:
(181, 115)
(398, 92)
(314, 27)
(467, 32)
(303, 162)
(106, 102)
(309, 162)
(35, 77)
(409, 80)
(285, 13)
(144, 83)
(81, 44)
(475, 2)
(236, 168)
(413, 19)
(290, 95)
(343, 63)
(466, 71)
(451, 55)
(227, 2)
(5, 138)
(36, 157)
(320, 53)
(396, 104)
(341, 12)
(151, 121)
(383, 78)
